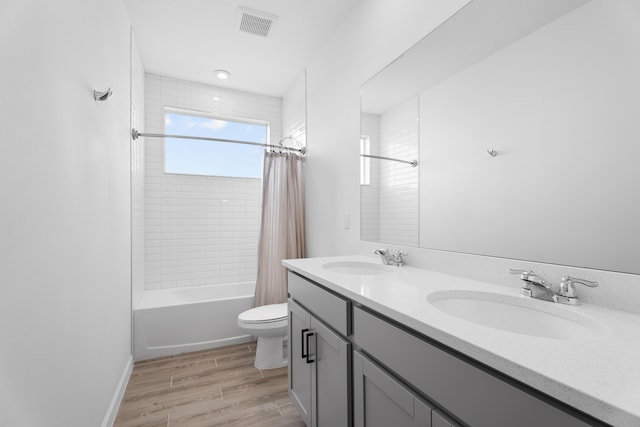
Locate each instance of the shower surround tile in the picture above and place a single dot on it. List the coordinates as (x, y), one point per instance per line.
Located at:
(201, 230)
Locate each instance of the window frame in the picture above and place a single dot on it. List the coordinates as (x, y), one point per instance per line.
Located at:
(365, 162)
(208, 115)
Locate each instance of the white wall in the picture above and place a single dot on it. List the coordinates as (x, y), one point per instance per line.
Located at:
(373, 34)
(201, 230)
(138, 210)
(65, 212)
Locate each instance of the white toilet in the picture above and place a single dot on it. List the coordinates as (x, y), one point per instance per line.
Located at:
(269, 324)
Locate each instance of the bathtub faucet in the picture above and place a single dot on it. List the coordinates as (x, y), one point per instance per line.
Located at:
(391, 258)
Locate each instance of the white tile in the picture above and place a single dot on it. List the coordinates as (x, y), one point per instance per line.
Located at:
(202, 230)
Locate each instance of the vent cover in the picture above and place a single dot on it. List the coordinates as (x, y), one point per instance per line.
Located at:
(255, 22)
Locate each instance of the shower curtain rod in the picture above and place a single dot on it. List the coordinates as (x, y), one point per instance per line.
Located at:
(135, 135)
(413, 163)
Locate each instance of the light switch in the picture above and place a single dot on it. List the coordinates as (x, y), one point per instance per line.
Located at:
(347, 220)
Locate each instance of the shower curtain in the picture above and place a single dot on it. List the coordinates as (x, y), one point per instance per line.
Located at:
(282, 225)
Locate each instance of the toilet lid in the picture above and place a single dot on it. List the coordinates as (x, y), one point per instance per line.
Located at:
(265, 313)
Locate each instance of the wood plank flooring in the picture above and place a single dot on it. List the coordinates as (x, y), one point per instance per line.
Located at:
(207, 388)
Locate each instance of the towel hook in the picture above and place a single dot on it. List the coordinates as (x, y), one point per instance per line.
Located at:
(102, 96)
(492, 152)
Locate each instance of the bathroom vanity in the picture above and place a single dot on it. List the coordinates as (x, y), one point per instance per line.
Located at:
(370, 347)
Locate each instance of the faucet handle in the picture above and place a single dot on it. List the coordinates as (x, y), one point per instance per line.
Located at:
(521, 272)
(525, 275)
(568, 289)
(397, 257)
(530, 276)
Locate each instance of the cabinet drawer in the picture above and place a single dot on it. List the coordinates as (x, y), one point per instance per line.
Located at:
(474, 395)
(333, 310)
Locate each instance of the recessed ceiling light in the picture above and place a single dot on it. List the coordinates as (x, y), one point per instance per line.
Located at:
(222, 74)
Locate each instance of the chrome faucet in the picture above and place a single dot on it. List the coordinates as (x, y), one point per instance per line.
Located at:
(537, 287)
(391, 258)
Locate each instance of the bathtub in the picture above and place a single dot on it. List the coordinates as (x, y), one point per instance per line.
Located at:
(179, 320)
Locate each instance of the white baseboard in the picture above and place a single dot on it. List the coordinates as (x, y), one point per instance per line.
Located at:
(112, 412)
(142, 351)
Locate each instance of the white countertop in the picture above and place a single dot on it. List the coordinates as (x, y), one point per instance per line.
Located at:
(600, 377)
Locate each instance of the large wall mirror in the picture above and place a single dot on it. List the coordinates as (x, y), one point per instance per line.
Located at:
(524, 117)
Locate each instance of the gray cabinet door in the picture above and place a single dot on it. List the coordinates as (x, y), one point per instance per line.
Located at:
(381, 401)
(330, 380)
(438, 419)
(318, 370)
(299, 369)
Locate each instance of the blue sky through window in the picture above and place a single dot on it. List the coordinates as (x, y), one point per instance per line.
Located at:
(183, 156)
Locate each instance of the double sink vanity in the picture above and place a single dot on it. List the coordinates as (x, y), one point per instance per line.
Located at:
(378, 345)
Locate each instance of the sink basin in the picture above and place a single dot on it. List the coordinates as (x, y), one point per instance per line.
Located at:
(517, 314)
(355, 267)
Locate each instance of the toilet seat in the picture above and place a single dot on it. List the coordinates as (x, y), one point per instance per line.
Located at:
(264, 314)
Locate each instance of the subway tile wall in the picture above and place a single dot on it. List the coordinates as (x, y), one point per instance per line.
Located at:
(201, 230)
(399, 198)
(370, 194)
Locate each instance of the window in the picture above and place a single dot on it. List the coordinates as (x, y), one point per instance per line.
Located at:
(365, 162)
(193, 157)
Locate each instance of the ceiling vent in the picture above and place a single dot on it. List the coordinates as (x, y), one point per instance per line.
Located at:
(255, 22)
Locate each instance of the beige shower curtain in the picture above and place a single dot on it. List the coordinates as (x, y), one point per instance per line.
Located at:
(282, 226)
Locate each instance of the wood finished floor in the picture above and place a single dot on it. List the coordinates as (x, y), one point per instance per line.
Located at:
(207, 388)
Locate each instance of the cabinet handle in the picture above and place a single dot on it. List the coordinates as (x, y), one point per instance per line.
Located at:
(302, 340)
(309, 334)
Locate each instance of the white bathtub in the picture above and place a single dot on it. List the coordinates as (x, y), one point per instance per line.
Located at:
(178, 320)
